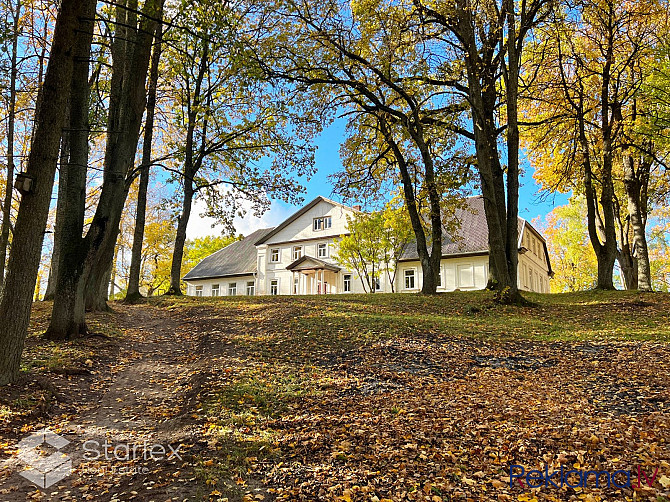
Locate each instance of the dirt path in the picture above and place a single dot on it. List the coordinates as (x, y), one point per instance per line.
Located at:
(140, 437)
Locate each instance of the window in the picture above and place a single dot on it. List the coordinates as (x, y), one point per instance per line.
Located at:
(297, 252)
(409, 279)
(322, 223)
(198, 291)
(251, 288)
(274, 256)
(439, 278)
(215, 290)
(232, 289)
(347, 283)
(377, 283)
(466, 276)
(296, 285)
(322, 250)
(274, 287)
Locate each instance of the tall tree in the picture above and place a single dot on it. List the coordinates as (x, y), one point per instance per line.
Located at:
(15, 15)
(488, 37)
(133, 293)
(586, 118)
(131, 52)
(228, 123)
(86, 265)
(362, 59)
(67, 322)
(34, 208)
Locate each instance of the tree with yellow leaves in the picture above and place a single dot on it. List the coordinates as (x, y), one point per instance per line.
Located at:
(586, 126)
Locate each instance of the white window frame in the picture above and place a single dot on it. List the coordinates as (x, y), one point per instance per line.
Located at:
(251, 288)
(232, 288)
(413, 276)
(275, 286)
(297, 250)
(322, 246)
(216, 289)
(198, 291)
(272, 255)
(346, 285)
(322, 223)
(296, 284)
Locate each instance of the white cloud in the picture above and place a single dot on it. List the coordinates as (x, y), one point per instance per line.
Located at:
(199, 226)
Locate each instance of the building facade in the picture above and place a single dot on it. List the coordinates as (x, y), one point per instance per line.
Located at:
(298, 258)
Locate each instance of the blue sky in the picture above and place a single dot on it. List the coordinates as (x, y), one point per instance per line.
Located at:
(531, 204)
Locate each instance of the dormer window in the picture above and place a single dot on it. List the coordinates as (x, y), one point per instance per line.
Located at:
(322, 223)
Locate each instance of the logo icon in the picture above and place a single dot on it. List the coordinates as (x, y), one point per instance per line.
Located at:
(44, 470)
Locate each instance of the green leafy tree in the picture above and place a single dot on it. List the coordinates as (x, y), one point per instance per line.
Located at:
(235, 137)
(361, 250)
(363, 59)
(375, 243)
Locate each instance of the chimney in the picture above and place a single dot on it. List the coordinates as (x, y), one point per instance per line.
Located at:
(357, 207)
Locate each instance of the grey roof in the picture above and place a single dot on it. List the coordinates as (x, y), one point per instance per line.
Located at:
(238, 258)
(473, 234)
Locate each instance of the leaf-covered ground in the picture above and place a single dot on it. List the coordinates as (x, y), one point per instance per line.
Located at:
(370, 398)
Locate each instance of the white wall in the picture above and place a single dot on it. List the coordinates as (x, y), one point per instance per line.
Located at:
(223, 283)
(301, 228)
(464, 273)
(533, 274)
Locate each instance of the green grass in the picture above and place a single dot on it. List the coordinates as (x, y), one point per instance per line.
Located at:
(343, 319)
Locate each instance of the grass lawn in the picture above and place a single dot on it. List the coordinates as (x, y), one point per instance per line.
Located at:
(370, 397)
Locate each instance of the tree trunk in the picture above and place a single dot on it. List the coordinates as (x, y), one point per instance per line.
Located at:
(180, 240)
(61, 201)
(133, 293)
(628, 265)
(192, 163)
(33, 212)
(11, 118)
(428, 269)
(482, 98)
(633, 186)
(132, 52)
(68, 315)
(512, 96)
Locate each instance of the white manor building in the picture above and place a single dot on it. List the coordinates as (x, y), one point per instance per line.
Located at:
(298, 258)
